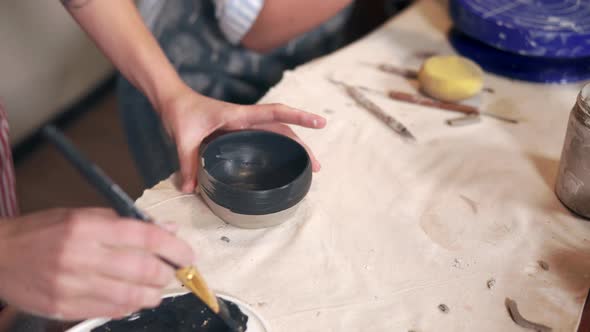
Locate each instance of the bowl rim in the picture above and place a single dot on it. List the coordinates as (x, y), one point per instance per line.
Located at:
(253, 131)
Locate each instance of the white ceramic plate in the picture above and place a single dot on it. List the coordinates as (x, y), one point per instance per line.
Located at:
(255, 322)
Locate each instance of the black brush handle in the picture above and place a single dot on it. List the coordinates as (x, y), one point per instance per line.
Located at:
(125, 207)
(118, 199)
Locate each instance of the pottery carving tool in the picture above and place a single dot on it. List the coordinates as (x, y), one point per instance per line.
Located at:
(424, 101)
(403, 72)
(377, 111)
(125, 207)
(429, 102)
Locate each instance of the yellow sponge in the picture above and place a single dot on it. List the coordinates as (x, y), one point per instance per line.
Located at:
(450, 78)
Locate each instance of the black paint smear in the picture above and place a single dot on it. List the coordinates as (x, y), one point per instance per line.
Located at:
(181, 314)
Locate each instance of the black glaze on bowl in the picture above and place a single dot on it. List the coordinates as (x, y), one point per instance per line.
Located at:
(184, 313)
(255, 172)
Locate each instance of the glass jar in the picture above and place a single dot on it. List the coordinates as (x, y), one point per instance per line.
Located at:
(573, 180)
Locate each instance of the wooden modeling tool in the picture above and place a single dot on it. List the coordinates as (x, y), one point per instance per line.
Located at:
(453, 107)
(125, 207)
(424, 101)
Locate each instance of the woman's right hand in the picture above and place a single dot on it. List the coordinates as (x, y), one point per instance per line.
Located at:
(82, 263)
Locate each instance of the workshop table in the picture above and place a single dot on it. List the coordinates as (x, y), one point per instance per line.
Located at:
(465, 217)
(390, 231)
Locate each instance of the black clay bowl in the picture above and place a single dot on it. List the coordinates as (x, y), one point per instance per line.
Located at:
(254, 179)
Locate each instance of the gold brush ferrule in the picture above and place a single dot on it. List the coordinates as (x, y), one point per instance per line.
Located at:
(192, 279)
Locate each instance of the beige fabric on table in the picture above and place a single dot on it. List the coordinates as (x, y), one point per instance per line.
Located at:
(391, 230)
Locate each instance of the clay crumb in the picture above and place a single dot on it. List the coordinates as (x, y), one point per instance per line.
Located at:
(225, 239)
(459, 264)
(489, 90)
(261, 304)
(443, 308)
(317, 314)
(491, 283)
(328, 111)
(543, 265)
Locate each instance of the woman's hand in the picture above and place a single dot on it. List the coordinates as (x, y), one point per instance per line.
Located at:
(118, 29)
(77, 264)
(190, 117)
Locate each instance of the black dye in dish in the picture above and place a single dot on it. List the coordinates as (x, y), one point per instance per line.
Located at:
(254, 172)
(184, 313)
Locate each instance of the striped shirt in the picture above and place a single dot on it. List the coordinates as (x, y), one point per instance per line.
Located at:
(8, 203)
(236, 17)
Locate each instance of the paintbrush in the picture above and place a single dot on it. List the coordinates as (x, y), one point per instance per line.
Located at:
(125, 207)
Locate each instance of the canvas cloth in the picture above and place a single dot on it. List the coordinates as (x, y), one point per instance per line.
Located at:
(390, 230)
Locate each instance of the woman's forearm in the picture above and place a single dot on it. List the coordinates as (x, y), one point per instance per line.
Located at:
(118, 29)
(282, 20)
